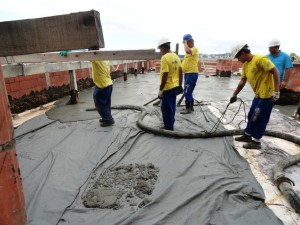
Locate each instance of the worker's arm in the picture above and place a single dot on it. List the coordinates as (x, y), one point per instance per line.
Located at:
(276, 93)
(187, 49)
(163, 81)
(240, 86)
(180, 77)
(286, 78)
(162, 85)
(180, 91)
(275, 73)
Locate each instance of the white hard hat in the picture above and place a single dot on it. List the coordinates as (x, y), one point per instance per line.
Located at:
(163, 41)
(274, 42)
(235, 49)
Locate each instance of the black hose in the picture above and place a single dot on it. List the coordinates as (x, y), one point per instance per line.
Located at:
(284, 184)
(202, 134)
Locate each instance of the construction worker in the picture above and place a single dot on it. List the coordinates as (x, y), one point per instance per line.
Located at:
(190, 70)
(102, 90)
(263, 77)
(170, 82)
(281, 60)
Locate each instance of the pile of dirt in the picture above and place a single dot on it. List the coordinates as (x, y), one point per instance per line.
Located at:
(118, 186)
(39, 98)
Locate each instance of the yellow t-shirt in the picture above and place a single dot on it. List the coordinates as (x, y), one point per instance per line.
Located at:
(190, 61)
(101, 73)
(170, 63)
(260, 79)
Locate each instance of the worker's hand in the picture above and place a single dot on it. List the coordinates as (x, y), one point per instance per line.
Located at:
(276, 95)
(160, 94)
(63, 53)
(283, 85)
(233, 99)
(180, 90)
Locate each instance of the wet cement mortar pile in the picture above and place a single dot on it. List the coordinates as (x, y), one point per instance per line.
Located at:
(123, 185)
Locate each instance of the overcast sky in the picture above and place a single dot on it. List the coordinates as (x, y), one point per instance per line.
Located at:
(216, 25)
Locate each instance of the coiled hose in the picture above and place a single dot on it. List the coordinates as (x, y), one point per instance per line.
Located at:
(284, 184)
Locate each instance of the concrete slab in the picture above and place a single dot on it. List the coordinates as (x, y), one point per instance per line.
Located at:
(213, 92)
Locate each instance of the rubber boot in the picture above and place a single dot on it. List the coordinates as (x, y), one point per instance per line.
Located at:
(192, 106)
(188, 107)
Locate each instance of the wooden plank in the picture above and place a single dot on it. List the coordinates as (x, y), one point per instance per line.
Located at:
(29, 69)
(83, 56)
(80, 30)
(13, 70)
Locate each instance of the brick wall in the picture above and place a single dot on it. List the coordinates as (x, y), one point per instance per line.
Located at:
(228, 65)
(59, 78)
(83, 73)
(294, 79)
(24, 85)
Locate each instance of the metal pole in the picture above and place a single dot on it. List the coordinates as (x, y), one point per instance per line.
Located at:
(150, 101)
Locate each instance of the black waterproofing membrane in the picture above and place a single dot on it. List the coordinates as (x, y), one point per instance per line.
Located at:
(199, 181)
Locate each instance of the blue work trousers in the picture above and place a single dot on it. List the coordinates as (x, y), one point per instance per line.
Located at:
(102, 101)
(168, 107)
(190, 80)
(258, 116)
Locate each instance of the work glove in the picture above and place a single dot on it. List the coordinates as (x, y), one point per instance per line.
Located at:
(64, 52)
(180, 90)
(160, 94)
(233, 99)
(276, 95)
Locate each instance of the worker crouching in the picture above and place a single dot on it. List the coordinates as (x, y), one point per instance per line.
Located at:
(170, 82)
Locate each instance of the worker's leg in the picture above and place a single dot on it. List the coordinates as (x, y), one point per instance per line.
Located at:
(193, 82)
(168, 108)
(102, 102)
(194, 79)
(259, 116)
(247, 135)
(188, 82)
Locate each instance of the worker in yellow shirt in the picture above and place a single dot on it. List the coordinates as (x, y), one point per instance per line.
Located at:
(102, 91)
(103, 88)
(263, 77)
(190, 70)
(170, 82)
